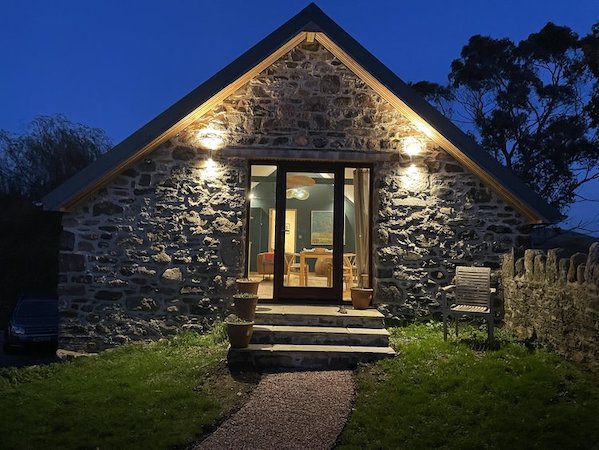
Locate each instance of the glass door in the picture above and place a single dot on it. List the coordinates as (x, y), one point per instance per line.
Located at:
(309, 230)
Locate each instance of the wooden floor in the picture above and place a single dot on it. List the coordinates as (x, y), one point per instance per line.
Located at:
(265, 290)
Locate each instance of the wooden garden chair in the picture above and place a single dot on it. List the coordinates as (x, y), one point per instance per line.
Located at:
(472, 297)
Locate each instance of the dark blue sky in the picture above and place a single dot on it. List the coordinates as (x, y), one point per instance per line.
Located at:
(116, 64)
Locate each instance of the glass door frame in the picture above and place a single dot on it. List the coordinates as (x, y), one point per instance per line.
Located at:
(328, 294)
(331, 295)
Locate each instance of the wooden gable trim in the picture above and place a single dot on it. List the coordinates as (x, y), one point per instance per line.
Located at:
(189, 119)
(420, 123)
(423, 126)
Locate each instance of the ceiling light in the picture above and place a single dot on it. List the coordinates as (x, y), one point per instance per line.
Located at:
(297, 193)
(301, 194)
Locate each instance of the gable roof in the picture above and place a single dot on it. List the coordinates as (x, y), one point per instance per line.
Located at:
(312, 24)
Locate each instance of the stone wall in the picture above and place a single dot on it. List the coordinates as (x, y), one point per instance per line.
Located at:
(159, 247)
(555, 300)
(431, 216)
(155, 252)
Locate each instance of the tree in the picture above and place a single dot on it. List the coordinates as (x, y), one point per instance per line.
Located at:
(532, 105)
(51, 150)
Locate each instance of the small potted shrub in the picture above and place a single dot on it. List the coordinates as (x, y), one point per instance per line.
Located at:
(361, 297)
(247, 286)
(239, 331)
(245, 305)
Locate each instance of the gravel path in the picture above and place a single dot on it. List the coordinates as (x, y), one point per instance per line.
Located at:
(292, 410)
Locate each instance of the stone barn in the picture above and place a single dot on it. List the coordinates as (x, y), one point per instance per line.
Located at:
(305, 164)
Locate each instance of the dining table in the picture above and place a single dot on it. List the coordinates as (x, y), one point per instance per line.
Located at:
(311, 254)
(305, 255)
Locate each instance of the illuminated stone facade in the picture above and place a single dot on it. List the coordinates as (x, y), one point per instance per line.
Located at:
(158, 249)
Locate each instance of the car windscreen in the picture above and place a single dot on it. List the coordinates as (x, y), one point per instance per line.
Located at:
(37, 308)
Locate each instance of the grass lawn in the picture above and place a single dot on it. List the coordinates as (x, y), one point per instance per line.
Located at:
(449, 395)
(135, 397)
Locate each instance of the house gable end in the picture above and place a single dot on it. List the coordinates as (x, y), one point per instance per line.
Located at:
(310, 24)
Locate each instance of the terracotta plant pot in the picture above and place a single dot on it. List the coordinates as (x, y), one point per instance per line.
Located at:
(245, 306)
(361, 297)
(247, 286)
(240, 333)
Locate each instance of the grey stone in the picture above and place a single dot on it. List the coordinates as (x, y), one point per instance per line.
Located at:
(507, 265)
(519, 267)
(529, 262)
(575, 260)
(108, 295)
(580, 272)
(564, 268)
(539, 268)
(592, 261)
(107, 208)
(552, 268)
(184, 153)
(480, 195)
(173, 274)
(71, 262)
(330, 84)
(146, 304)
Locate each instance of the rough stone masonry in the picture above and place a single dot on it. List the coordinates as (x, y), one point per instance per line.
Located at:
(555, 300)
(157, 250)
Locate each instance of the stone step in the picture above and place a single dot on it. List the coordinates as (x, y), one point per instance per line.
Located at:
(318, 316)
(306, 356)
(286, 334)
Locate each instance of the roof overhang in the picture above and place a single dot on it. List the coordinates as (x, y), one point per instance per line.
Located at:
(311, 24)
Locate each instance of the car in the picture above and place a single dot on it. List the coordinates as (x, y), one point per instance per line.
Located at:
(33, 321)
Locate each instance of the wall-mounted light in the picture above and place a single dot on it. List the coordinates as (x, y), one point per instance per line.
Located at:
(413, 178)
(412, 146)
(210, 138)
(210, 170)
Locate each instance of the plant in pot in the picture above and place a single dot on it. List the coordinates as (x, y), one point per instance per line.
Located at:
(239, 331)
(361, 297)
(247, 286)
(245, 305)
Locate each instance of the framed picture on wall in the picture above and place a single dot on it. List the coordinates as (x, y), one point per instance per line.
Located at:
(321, 229)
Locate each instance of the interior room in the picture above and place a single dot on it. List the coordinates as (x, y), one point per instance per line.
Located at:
(308, 235)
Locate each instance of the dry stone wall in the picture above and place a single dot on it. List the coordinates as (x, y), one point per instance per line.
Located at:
(157, 250)
(555, 300)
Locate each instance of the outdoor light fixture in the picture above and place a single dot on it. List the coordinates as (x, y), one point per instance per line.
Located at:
(413, 178)
(210, 169)
(211, 139)
(412, 146)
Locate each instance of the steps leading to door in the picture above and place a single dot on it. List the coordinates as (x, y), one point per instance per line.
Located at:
(314, 337)
(306, 335)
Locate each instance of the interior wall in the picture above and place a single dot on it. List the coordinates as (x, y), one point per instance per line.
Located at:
(321, 199)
